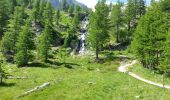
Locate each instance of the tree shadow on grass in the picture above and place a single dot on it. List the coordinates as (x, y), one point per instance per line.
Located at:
(58, 64)
(7, 84)
(52, 64)
(39, 65)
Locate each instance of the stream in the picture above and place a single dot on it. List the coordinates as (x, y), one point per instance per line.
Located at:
(83, 36)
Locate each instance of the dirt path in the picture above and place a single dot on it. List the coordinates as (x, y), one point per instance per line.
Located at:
(124, 69)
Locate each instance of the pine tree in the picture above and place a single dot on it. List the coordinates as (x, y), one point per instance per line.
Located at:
(36, 11)
(131, 13)
(150, 36)
(3, 72)
(98, 27)
(24, 45)
(165, 60)
(64, 5)
(3, 15)
(48, 13)
(117, 19)
(12, 5)
(10, 37)
(42, 8)
(44, 42)
(57, 16)
(71, 9)
(76, 19)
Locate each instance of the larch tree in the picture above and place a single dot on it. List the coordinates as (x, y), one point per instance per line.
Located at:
(3, 15)
(71, 8)
(76, 19)
(44, 43)
(57, 16)
(24, 45)
(64, 5)
(98, 27)
(10, 37)
(48, 13)
(36, 11)
(150, 36)
(117, 20)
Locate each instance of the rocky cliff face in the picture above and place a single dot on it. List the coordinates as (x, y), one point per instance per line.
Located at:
(58, 3)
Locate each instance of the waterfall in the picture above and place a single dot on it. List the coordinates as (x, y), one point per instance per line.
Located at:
(83, 35)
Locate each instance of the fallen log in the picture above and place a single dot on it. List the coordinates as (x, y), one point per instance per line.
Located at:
(35, 89)
(16, 77)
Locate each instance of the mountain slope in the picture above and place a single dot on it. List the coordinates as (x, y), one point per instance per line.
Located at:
(58, 3)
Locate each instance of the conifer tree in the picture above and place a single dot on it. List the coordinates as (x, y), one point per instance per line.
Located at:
(71, 9)
(3, 15)
(10, 37)
(48, 13)
(36, 11)
(64, 5)
(150, 36)
(57, 16)
(165, 60)
(24, 45)
(44, 42)
(3, 72)
(99, 26)
(76, 19)
(117, 19)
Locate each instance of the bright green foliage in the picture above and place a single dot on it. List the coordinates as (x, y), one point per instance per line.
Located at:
(48, 13)
(117, 21)
(99, 26)
(3, 72)
(44, 42)
(10, 38)
(165, 60)
(76, 19)
(71, 9)
(57, 16)
(24, 45)
(36, 11)
(135, 9)
(150, 36)
(71, 38)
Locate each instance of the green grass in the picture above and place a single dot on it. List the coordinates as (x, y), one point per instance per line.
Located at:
(86, 80)
(149, 74)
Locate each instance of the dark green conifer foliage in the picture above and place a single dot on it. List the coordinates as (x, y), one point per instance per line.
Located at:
(117, 20)
(44, 43)
(64, 5)
(76, 19)
(24, 45)
(48, 13)
(71, 8)
(57, 16)
(10, 37)
(3, 15)
(150, 36)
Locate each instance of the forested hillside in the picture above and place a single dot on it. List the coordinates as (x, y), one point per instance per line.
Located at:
(78, 50)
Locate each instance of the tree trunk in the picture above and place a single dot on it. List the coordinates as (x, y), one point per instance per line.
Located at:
(97, 53)
(0, 78)
(117, 29)
(163, 81)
